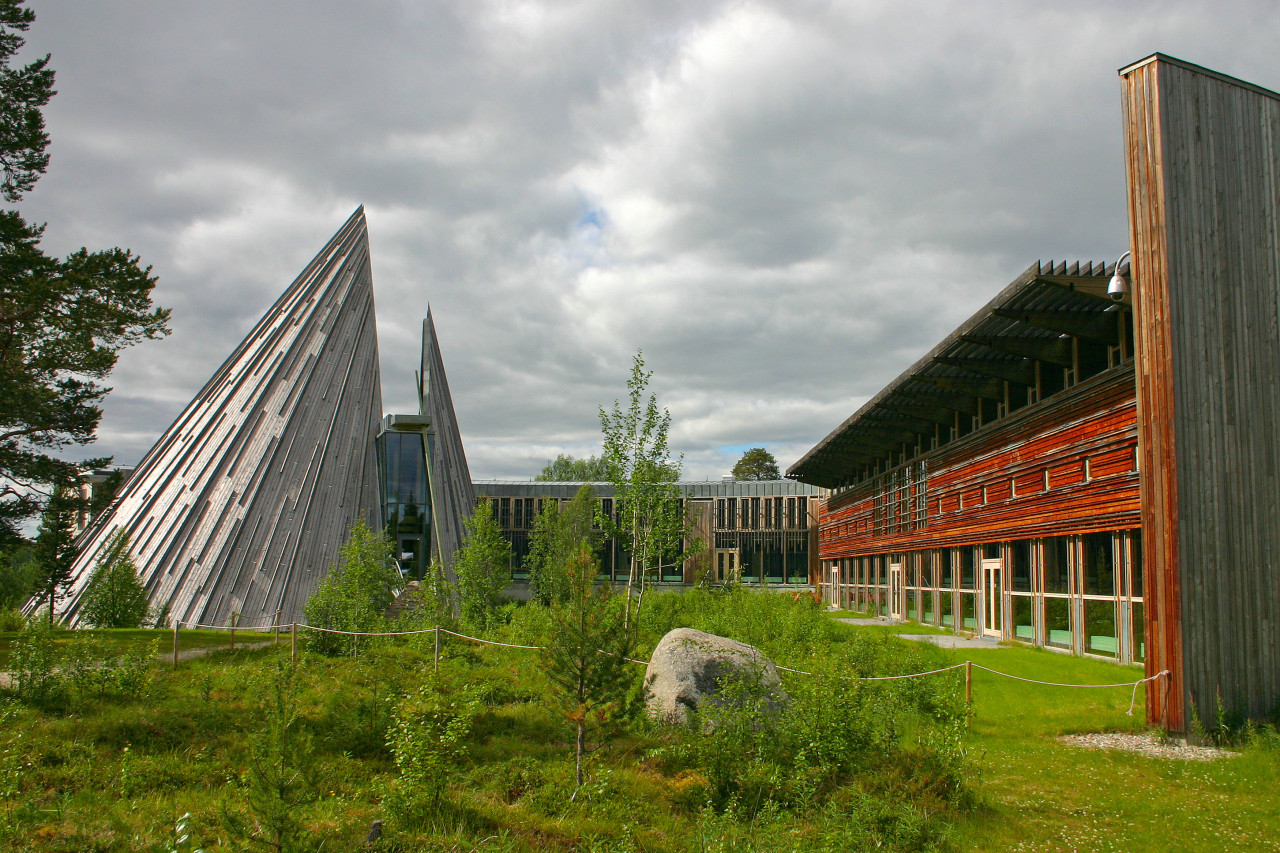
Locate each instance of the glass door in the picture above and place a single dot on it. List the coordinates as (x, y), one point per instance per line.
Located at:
(993, 598)
(895, 590)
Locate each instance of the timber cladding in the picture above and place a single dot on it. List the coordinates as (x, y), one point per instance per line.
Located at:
(1202, 158)
(990, 486)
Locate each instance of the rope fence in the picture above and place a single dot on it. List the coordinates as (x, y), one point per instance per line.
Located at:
(967, 666)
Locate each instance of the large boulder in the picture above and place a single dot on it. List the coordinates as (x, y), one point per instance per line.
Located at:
(688, 667)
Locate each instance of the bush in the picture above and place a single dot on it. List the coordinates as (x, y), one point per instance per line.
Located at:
(115, 598)
(427, 741)
(354, 596)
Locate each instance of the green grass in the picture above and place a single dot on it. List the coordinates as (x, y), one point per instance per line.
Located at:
(1041, 794)
(116, 773)
(117, 640)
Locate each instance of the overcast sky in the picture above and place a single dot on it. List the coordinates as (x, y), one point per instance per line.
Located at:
(783, 204)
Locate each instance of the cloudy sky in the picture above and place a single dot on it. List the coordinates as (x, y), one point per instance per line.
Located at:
(782, 203)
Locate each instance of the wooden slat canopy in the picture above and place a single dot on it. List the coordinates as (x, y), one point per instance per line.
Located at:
(1051, 316)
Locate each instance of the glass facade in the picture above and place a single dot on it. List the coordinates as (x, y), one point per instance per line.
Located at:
(1078, 593)
(406, 499)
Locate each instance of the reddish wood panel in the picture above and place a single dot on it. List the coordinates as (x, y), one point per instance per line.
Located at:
(970, 496)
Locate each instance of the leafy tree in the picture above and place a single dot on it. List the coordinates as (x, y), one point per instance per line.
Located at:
(648, 513)
(355, 594)
(586, 655)
(482, 566)
(19, 575)
(62, 321)
(557, 535)
(115, 598)
(757, 464)
(567, 469)
(55, 546)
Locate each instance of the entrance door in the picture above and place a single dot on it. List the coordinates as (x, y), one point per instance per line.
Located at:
(835, 587)
(895, 590)
(993, 598)
(726, 566)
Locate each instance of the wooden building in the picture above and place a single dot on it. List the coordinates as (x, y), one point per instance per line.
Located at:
(756, 532)
(1094, 475)
(992, 487)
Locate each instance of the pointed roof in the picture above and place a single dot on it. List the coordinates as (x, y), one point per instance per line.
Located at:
(241, 505)
(453, 497)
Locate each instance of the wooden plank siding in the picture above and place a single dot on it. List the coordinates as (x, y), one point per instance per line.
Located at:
(1202, 156)
(1095, 421)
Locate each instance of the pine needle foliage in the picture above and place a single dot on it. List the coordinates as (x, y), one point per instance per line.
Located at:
(586, 657)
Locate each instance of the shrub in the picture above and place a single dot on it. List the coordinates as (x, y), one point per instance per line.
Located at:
(483, 567)
(354, 596)
(115, 598)
(427, 740)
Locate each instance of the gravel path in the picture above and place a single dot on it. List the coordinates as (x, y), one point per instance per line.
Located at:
(1146, 744)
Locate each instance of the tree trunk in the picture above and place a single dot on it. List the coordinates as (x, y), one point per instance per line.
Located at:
(582, 748)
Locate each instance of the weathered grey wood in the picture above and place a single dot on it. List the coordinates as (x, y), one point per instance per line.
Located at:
(1203, 161)
(241, 505)
(453, 497)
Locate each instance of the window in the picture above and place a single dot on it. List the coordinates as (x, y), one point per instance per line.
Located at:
(1056, 569)
(1099, 565)
(1020, 566)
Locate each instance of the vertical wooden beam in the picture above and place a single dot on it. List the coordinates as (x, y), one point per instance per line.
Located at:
(1203, 169)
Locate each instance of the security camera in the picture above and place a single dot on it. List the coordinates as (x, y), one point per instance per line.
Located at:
(1118, 289)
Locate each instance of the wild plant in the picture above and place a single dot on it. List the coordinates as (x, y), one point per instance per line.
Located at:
(281, 776)
(427, 740)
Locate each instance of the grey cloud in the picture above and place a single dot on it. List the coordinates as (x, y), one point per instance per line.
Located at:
(790, 201)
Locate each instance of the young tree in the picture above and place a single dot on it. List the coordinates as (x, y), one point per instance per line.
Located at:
(482, 566)
(55, 546)
(648, 513)
(62, 321)
(115, 598)
(757, 464)
(557, 535)
(589, 644)
(355, 594)
(567, 469)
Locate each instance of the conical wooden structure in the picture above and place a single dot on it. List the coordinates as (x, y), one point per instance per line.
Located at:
(240, 507)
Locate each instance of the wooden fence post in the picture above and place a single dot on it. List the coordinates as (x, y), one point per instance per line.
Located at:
(175, 642)
(233, 631)
(968, 682)
(276, 625)
(354, 649)
(437, 650)
(293, 644)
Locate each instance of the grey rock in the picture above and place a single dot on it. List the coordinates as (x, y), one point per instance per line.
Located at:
(688, 668)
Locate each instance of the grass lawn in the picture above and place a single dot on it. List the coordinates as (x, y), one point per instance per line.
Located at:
(1041, 794)
(118, 772)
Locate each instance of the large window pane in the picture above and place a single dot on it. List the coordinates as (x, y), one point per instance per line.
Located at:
(1020, 565)
(930, 607)
(948, 569)
(1056, 569)
(946, 607)
(1099, 564)
(967, 580)
(1057, 622)
(1023, 628)
(1139, 633)
(1135, 549)
(967, 610)
(1100, 628)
